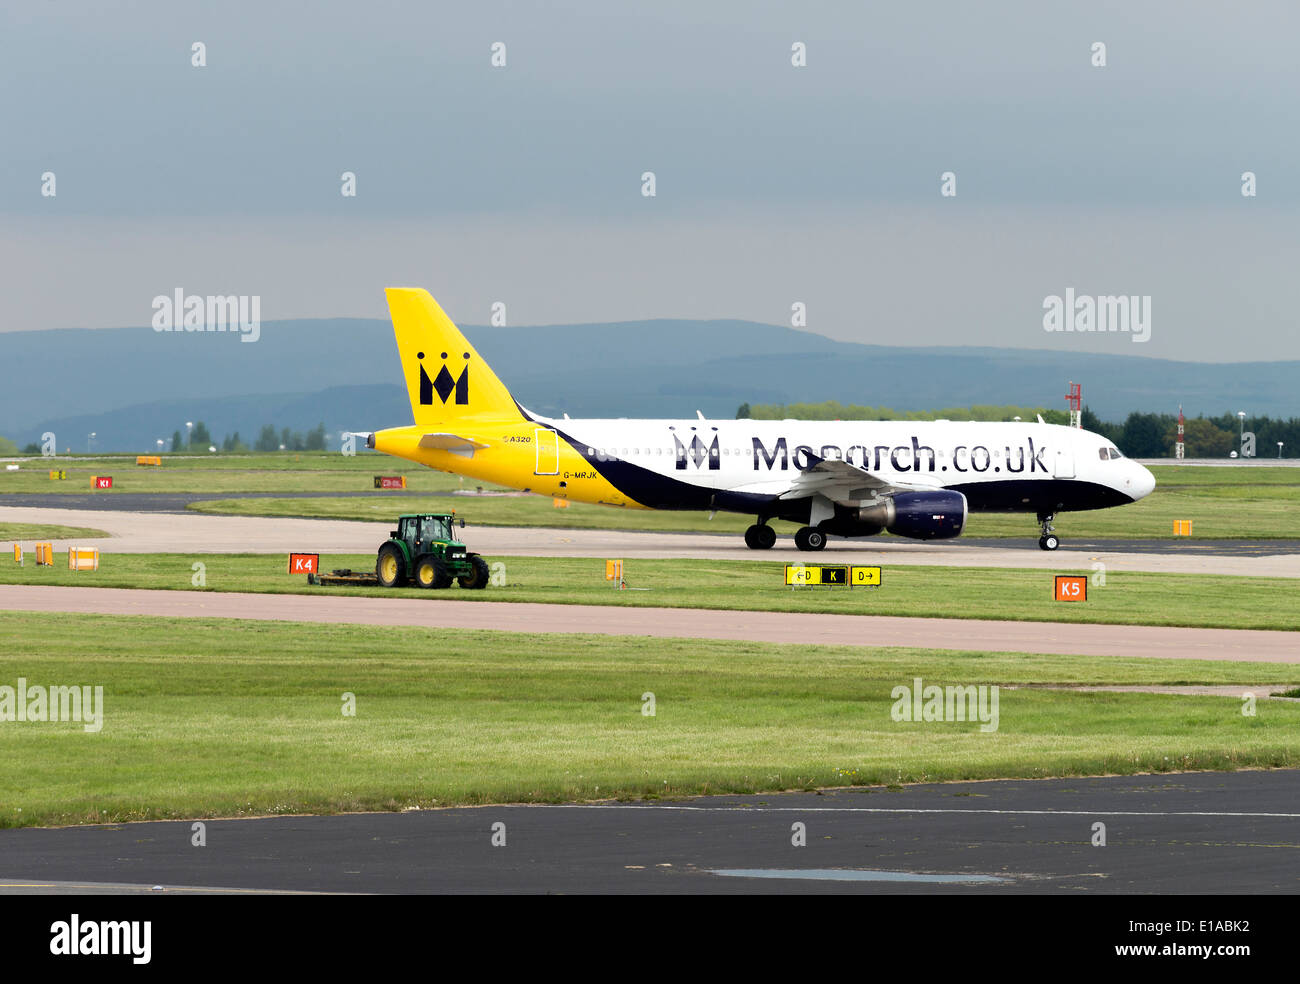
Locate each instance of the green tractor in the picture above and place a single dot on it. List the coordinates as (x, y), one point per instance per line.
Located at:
(422, 549)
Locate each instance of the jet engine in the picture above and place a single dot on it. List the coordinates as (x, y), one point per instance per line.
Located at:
(938, 515)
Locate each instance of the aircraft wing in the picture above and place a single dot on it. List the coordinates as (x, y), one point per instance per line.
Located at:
(841, 482)
(463, 446)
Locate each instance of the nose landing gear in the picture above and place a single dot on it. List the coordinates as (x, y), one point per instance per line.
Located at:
(1048, 541)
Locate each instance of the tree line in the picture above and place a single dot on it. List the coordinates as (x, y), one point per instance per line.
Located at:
(200, 439)
(1152, 435)
(268, 440)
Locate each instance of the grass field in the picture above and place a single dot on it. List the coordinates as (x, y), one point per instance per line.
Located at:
(307, 471)
(1128, 598)
(45, 531)
(219, 718)
(1223, 503)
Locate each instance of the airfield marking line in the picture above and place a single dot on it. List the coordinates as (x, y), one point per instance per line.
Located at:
(149, 888)
(883, 809)
(793, 628)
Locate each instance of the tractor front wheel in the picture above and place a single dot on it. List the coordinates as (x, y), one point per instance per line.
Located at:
(431, 572)
(390, 566)
(478, 578)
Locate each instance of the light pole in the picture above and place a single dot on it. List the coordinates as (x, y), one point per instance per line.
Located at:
(89, 437)
(1241, 415)
(1279, 449)
(159, 442)
(189, 426)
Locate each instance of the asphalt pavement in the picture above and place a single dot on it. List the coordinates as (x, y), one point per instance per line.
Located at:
(1191, 833)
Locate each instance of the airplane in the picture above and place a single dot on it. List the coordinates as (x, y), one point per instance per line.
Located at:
(852, 478)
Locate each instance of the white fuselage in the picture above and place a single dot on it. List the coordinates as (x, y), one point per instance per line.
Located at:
(761, 457)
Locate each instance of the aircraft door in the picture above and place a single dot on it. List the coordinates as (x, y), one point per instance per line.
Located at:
(547, 443)
(1064, 467)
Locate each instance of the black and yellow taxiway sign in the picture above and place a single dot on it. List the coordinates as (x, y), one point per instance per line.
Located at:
(832, 575)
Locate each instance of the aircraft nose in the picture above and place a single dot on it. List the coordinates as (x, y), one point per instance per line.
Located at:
(1143, 481)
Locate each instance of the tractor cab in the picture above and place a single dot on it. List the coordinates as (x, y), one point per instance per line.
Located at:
(421, 533)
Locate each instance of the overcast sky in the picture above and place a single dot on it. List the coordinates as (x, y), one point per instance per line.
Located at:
(774, 184)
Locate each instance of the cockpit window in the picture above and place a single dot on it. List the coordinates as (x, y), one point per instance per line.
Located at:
(1102, 454)
(1114, 453)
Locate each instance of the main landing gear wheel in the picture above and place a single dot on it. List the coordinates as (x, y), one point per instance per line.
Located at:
(760, 536)
(810, 539)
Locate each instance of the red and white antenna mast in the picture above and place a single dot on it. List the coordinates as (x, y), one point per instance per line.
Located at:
(1075, 399)
(1178, 447)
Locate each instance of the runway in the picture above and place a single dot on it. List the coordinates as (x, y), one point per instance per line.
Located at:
(1220, 833)
(132, 532)
(791, 628)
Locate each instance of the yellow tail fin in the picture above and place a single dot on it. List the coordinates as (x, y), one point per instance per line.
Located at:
(445, 378)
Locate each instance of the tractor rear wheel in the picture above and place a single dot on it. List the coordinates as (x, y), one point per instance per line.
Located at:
(479, 577)
(390, 566)
(431, 572)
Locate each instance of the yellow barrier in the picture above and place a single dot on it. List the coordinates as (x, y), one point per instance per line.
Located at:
(44, 555)
(148, 459)
(1182, 527)
(614, 572)
(560, 503)
(83, 558)
(56, 475)
(18, 553)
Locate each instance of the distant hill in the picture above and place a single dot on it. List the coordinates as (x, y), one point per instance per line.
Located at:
(133, 385)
